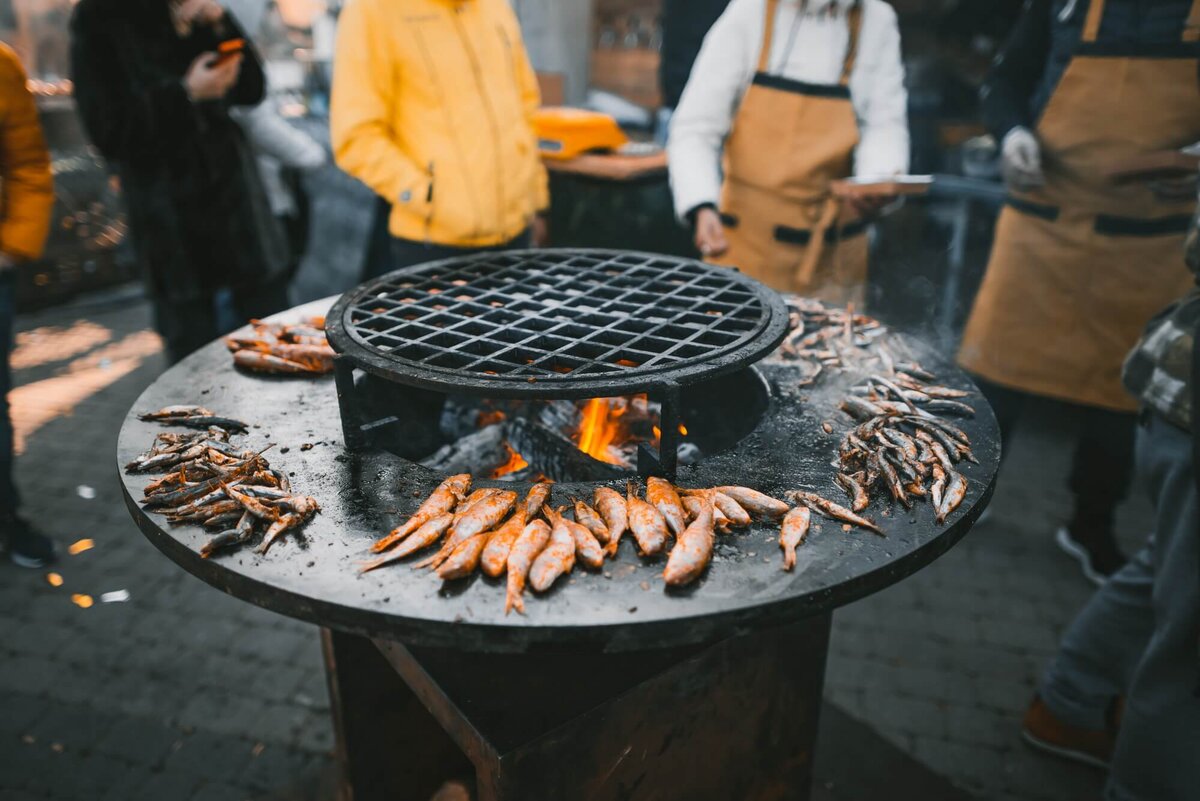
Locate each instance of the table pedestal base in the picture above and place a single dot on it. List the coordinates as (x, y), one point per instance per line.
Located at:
(734, 720)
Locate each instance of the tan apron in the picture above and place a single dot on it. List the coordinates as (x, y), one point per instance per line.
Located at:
(1080, 266)
(789, 140)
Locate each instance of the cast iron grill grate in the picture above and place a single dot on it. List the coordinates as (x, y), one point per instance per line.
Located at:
(557, 323)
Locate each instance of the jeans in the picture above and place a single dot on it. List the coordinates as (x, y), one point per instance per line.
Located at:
(1102, 465)
(9, 500)
(189, 325)
(1139, 636)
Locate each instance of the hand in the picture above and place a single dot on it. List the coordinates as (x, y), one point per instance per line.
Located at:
(203, 82)
(539, 231)
(199, 12)
(1175, 190)
(710, 233)
(868, 206)
(1021, 157)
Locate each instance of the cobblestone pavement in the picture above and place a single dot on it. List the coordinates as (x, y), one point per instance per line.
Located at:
(184, 694)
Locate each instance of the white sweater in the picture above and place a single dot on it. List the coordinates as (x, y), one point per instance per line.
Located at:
(727, 63)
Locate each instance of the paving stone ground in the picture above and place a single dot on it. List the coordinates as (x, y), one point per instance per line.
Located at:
(185, 694)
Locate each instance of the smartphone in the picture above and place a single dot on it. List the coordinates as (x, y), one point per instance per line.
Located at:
(227, 50)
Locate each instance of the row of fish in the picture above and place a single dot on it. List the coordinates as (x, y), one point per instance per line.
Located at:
(283, 348)
(533, 543)
(209, 482)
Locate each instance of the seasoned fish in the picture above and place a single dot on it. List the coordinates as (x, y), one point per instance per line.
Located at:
(495, 551)
(833, 510)
(529, 544)
(854, 490)
(430, 532)
(556, 559)
(647, 525)
(662, 496)
(464, 560)
(442, 500)
(792, 533)
(587, 547)
(694, 545)
(613, 509)
(591, 519)
(956, 490)
(755, 502)
(483, 516)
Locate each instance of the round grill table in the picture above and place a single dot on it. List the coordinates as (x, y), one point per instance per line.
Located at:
(610, 687)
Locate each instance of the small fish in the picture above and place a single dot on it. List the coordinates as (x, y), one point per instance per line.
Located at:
(755, 502)
(731, 509)
(591, 519)
(556, 559)
(854, 490)
(951, 407)
(662, 496)
(427, 534)
(536, 498)
(938, 486)
(861, 409)
(495, 552)
(613, 509)
(587, 547)
(892, 478)
(792, 533)
(440, 501)
(647, 525)
(464, 560)
(524, 551)
(694, 545)
(483, 516)
(956, 490)
(833, 510)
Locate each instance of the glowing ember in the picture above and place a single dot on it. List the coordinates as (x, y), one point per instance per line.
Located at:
(515, 462)
(82, 601)
(79, 546)
(491, 417)
(54, 579)
(600, 428)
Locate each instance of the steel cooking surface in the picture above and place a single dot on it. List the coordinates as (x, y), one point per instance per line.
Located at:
(542, 322)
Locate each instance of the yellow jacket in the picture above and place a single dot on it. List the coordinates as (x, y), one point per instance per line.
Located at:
(26, 185)
(431, 109)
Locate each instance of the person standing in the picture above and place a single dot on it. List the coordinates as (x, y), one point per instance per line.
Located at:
(432, 109)
(685, 23)
(154, 97)
(24, 224)
(797, 93)
(1080, 263)
(1124, 687)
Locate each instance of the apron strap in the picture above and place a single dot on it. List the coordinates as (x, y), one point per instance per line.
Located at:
(1191, 26)
(764, 51)
(854, 23)
(1091, 25)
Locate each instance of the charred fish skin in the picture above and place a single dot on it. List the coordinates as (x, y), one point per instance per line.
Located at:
(694, 545)
(792, 533)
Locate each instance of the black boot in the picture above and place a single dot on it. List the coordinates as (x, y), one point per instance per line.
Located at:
(27, 547)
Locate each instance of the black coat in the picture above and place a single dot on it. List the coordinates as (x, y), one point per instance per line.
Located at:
(197, 209)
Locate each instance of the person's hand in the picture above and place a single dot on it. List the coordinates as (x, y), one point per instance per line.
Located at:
(1021, 159)
(200, 12)
(710, 234)
(1175, 190)
(539, 231)
(868, 206)
(205, 82)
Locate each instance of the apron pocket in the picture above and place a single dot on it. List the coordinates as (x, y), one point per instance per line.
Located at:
(1049, 213)
(1111, 225)
(728, 220)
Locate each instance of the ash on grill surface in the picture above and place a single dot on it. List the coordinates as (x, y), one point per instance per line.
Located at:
(574, 323)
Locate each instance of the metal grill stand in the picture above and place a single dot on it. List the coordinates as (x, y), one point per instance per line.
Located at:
(551, 324)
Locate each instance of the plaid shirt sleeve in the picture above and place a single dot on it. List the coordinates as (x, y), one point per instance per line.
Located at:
(1159, 370)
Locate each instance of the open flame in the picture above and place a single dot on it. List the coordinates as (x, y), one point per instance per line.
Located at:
(515, 462)
(599, 428)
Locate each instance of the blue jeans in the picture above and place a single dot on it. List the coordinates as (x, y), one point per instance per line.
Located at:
(1138, 637)
(9, 499)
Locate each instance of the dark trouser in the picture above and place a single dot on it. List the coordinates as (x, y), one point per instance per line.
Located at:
(1102, 465)
(1138, 637)
(9, 500)
(189, 325)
